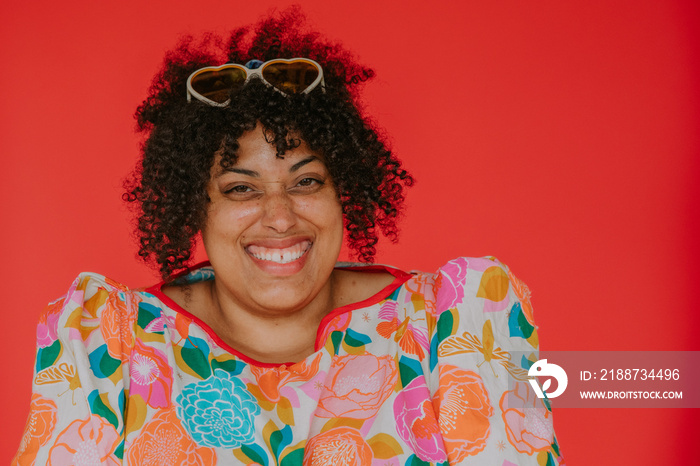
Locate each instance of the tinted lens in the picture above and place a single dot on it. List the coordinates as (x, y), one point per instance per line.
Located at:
(291, 78)
(216, 85)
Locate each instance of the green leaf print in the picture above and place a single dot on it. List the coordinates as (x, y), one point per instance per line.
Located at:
(293, 458)
(255, 453)
(444, 326)
(231, 366)
(356, 339)
(413, 460)
(47, 356)
(194, 358)
(147, 313)
(518, 324)
(409, 369)
(99, 407)
(279, 439)
(336, 338)
(102, 364)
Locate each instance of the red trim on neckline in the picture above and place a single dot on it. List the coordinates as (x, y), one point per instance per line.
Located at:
(400, 277)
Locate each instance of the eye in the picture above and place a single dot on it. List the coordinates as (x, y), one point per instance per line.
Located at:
(309, 182)
(238, 189)
(307, 185)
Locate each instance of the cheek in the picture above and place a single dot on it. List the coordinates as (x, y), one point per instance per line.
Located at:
(228, 220)
(324, 213)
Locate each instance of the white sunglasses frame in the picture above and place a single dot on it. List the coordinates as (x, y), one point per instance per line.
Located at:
(250, 73)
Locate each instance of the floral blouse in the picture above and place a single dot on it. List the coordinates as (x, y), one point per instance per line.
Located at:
(432, 370)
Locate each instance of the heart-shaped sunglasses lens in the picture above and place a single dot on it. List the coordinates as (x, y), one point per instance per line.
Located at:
(216, 85)
(290, 77)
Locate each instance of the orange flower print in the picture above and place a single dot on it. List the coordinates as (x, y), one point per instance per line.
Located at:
(341, 446)
(86, 441)
(164, 442)
(42, 419)
(528, 421)
(117, 325)
(356, 386)
(464, 409)
(272, 380)
(424, 286)
(523, 293)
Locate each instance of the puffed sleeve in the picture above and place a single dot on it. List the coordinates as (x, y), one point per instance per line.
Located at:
(482, 345)
(77, 404)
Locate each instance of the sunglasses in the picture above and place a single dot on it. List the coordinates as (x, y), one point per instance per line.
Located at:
(213, 84)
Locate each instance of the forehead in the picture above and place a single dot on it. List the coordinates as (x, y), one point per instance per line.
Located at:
(257, 144)
(256, 156)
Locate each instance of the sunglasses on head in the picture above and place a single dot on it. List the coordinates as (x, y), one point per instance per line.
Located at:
(213, 84)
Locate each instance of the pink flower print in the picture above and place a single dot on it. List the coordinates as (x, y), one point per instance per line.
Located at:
(151, 376)
(86, 442)
(47, 330)
(144, 370)
(417, 423)
(356, 386)
(452, 277)
(338, 323)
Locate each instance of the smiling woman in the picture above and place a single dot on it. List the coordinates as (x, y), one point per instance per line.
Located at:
(271, 352)
(273, 232)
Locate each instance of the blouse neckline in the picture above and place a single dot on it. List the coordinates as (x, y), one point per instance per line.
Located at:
(400, 277)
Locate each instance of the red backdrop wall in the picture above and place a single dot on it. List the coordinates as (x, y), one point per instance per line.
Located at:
(561, 137)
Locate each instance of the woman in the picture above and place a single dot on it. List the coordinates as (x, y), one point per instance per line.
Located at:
(271, 353)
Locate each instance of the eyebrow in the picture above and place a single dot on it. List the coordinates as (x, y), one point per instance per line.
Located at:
(254, 174)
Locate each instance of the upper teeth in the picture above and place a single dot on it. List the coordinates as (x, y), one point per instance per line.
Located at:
(280, 256)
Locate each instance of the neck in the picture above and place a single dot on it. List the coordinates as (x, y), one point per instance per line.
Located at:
(270, 335)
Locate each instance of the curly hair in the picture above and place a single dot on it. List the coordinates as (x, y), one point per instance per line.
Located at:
(168, 187)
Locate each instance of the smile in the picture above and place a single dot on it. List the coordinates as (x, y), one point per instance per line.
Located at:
(279, 255)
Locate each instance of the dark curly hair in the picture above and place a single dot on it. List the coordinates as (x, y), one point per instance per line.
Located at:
(168, 187)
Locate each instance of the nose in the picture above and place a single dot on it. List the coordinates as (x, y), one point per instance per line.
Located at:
(278, 211)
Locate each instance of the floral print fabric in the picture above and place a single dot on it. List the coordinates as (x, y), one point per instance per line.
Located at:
(430, 371)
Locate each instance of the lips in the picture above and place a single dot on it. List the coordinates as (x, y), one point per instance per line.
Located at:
(279, 255)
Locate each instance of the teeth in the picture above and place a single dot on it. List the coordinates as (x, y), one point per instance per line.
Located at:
(280, 256)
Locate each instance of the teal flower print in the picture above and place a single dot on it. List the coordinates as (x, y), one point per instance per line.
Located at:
(218, 411)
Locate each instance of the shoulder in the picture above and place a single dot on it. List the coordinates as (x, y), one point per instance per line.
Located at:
(485, 278)
(92, 290)
(467, 277)
(471, 289)
(354, 283)
(483, 296)
(89, 291)
(92, 302)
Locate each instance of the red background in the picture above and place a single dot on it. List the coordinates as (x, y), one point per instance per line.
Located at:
(561, 137)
